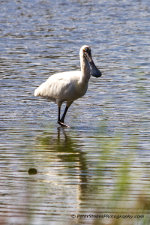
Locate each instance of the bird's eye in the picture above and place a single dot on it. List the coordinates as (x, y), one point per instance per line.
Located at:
(86, 50)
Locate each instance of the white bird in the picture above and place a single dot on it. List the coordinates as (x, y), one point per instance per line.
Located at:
(71, 85)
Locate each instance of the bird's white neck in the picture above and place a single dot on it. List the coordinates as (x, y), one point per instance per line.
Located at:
(85, 70)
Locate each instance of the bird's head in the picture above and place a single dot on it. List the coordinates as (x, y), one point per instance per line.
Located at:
(85, 53)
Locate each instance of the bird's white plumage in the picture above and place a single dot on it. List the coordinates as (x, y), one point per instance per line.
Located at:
(61, 87)
(66, 86)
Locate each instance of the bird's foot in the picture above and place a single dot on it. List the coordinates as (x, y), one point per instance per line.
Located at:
(62, 124)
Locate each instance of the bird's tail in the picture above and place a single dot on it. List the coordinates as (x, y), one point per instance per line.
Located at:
(37, 92)
(41, 90)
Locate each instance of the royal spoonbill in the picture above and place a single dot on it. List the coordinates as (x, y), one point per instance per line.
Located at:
(69, 86)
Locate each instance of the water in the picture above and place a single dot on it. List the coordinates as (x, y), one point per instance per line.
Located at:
(99, 166)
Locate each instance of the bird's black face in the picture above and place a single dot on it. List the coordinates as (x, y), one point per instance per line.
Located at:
(87, 54)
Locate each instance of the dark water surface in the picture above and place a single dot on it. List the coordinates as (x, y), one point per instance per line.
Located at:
(101, 165)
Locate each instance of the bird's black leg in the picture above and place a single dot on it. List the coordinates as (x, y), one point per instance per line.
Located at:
(63, 116)
(61, 121)
(59, 109)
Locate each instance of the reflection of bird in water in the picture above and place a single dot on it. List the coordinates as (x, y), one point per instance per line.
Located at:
(68, 151)
(69, 86)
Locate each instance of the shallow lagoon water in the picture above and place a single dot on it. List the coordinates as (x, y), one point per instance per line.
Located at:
(100, 165)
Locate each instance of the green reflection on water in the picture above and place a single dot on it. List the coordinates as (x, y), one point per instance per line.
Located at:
(113, 184)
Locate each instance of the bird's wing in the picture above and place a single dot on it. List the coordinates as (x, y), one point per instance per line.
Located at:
(59, 86)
